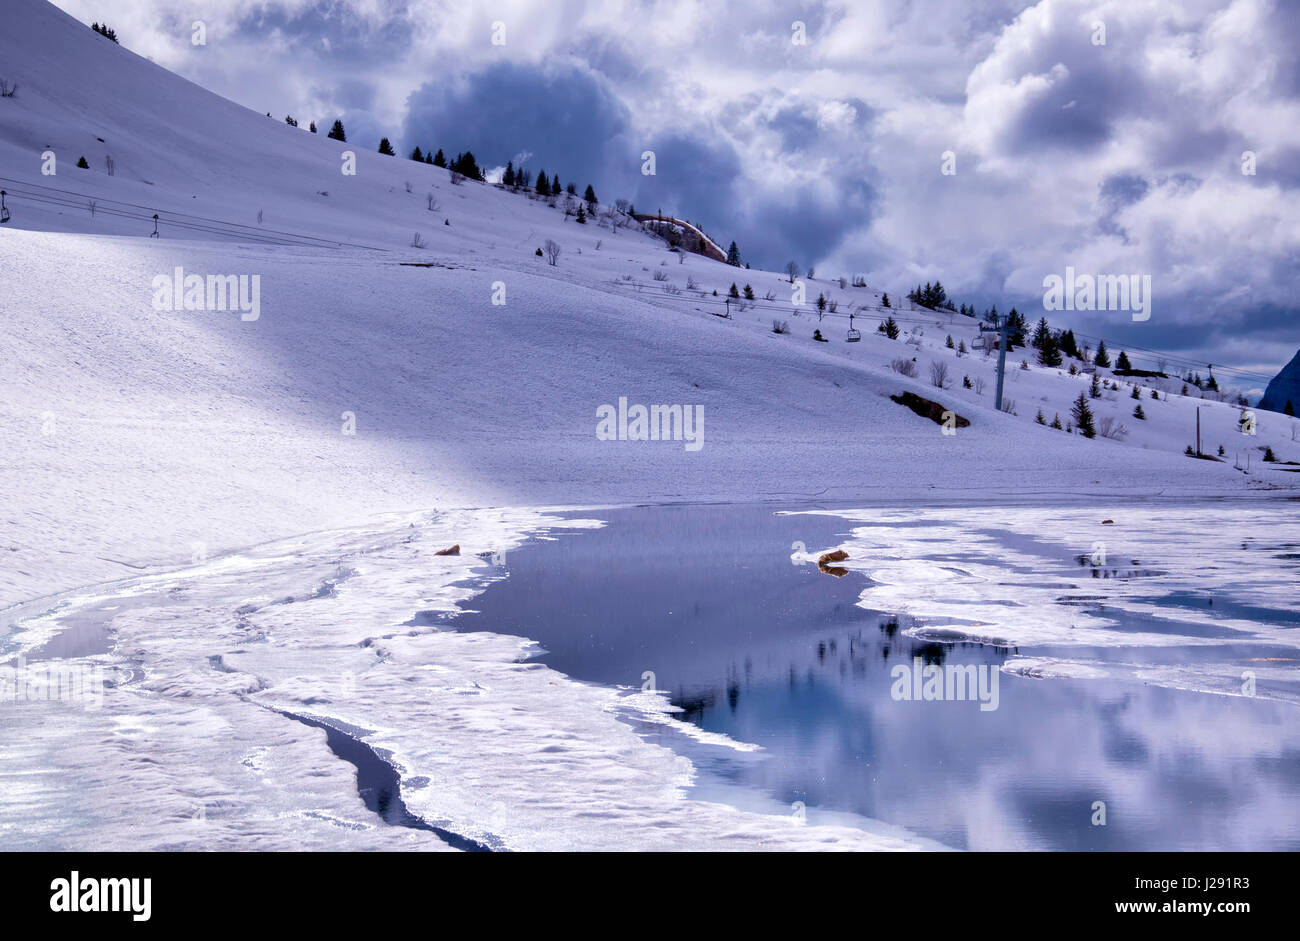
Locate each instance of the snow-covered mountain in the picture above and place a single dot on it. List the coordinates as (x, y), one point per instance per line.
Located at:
(379, 376)
(1284, 388)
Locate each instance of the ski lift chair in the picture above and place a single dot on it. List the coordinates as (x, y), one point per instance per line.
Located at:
(4, 211)
(855, 335)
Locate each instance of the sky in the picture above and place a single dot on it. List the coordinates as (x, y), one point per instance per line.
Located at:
(987, 145)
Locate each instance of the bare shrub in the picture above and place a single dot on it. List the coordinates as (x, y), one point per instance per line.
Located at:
(780, 326)
(417, 240)
(8, 89)
(457, 178)
(552, 250)
(939, 375)
(660, 275)
(1009, 406)
(979, 386)
(1109, 427)
(672, 289)
(691, 283)
(432, 203)
(904, 367)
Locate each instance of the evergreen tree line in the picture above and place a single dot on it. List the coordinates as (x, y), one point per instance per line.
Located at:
(104, 31)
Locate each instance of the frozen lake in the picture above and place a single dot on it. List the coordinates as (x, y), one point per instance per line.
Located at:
(678, 677)
(767, 649)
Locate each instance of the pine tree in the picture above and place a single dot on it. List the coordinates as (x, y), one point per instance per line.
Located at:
(891, 328)
(82, 165)
(571, 190)
(555, 185)
(1094, 390)
(1102, 358)
(733, 255)
(1069, 346)
(1083, 417)
(337, 132)
(749, 293)
(1042, 333)
(1049, 352)
(508, 178)
(417, 155)
(386, 148)
(439, 160)
(1056, 421)
(884, 300)
(1122, 362)
(589, 195)
(582, 215)
(1040, 418)
(313, 127)
(428, 158)
(951, 345)
(1016, 329)
(1289, 409)
(1138, 413)
(543, 184)
(1137, 393)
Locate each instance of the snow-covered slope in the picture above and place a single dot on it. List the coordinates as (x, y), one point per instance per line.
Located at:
(137, 436)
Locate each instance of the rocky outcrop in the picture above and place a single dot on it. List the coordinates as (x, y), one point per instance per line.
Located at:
(927, 408)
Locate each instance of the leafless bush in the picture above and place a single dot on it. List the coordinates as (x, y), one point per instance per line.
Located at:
(660, 275)
(904, 367)
(110, 165)
(769, 296)
(1108, 427)
(979, 385)
(417, 240)
(780, 326)
(7, 89)
(1009, 406)
(92, 206)
(457, 178)
(432, 202)
(552, 250)
(672, 289)
(408, 186)
(691, 283)
(939, 375)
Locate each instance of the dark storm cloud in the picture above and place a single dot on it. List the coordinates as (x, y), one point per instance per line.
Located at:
(564, 115)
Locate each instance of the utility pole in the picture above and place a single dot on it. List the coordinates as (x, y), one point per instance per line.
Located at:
(1198, 431)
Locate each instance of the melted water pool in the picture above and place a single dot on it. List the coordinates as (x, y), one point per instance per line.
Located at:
(706, 604)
